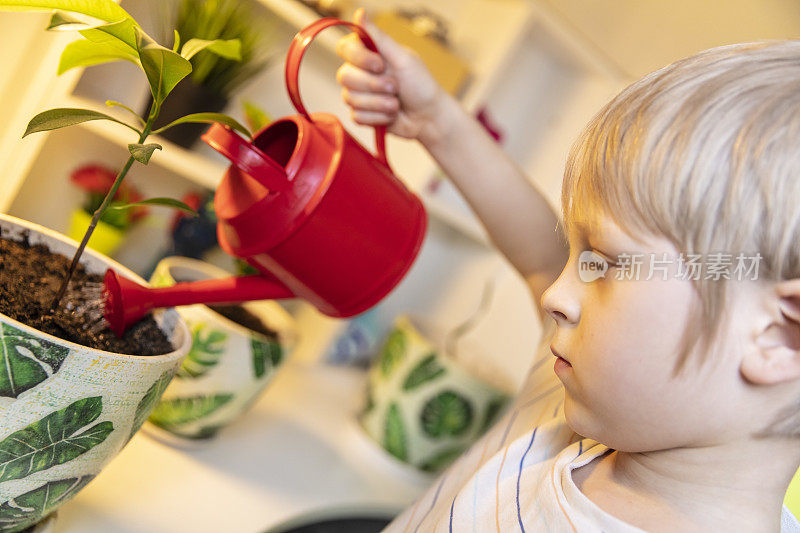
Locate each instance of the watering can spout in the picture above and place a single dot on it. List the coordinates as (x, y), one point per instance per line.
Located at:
(126, 302)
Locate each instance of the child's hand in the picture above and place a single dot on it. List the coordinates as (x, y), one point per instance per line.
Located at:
(392, 89)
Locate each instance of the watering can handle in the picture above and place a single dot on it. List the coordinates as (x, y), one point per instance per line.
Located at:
(296, 51)
(247, 157)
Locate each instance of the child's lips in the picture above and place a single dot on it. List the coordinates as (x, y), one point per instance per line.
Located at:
(558, 354)
(561, 363)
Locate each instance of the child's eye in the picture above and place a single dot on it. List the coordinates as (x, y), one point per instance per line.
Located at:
(611, 264)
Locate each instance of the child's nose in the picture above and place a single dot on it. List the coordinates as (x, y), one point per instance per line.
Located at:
(560, 301)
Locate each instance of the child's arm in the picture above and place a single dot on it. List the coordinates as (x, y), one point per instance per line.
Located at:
(396, 89)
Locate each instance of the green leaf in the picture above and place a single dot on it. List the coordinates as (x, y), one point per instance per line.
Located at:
(163, 67)
(207, 118)
(83, 53)
(442, 460)
(149, 401)
(62, 117)
(255, 116)
(428, 369)
(170, 414)
(59, 20)
(120, 219)
(142, 153)
(229, 49)
(204, 353)
(104, 43)
(26, 360)
(394, 433)
(265, 355)
(394, 351)
(26, 509)
(106, 10)
(121, 35)
(448, 414)
(53, 440)
(163, 202)
(114, 103)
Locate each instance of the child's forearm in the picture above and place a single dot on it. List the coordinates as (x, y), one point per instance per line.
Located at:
(520, 222)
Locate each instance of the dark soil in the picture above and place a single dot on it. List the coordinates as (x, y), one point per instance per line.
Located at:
(30, 276)
(243, 317)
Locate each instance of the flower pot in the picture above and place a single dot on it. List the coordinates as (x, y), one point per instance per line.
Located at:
(105, 238)
(65, 409)
(229, 364)
(45, 526)
(424, 407)
(186, 98)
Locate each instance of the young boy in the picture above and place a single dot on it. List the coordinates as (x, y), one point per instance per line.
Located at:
(675, 402)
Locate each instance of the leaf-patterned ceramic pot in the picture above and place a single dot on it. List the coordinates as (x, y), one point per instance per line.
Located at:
(65, 409)
(228, 365)
(424, 407)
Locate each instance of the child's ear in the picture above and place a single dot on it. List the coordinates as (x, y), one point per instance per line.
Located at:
(776, 358)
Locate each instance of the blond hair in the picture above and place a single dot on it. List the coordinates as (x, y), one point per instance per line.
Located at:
(705, 152)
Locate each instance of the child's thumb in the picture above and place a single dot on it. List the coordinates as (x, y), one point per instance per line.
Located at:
(387, 47)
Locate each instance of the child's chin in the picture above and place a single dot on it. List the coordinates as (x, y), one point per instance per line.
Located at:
(575, 417)
(584, 424)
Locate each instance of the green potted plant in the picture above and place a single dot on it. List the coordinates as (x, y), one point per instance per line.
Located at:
(72, 394)
(214, 78)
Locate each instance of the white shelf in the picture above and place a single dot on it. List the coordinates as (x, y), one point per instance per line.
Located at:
(471, 21)
(299, 16)
(193, 166)
(578, 47)
(488, 34)
(447, 211)
(29, 85)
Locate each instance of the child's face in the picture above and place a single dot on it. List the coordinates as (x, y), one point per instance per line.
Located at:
(622, 339)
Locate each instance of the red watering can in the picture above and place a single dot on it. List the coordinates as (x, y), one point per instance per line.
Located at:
(320, 217)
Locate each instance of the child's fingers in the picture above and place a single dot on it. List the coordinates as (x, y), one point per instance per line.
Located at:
(388, 47)
(372, 118)
(352, 50)
(355, 79)
(381, 103)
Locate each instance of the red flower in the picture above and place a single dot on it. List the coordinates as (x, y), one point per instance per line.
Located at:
(95, 178)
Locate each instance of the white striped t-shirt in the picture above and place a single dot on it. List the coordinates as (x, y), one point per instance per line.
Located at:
(518, 476)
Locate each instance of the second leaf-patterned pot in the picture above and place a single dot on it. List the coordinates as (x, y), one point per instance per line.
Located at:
(65, 409)
(423, 406)
(228, 365)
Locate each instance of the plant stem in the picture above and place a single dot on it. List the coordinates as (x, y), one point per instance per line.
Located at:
(99, 211)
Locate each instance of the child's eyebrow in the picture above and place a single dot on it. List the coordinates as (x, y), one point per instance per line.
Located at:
(580, 228)
(585, 234)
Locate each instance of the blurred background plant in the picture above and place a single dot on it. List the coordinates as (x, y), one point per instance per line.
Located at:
(214, 79)
(196, 237)
(96, 180)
